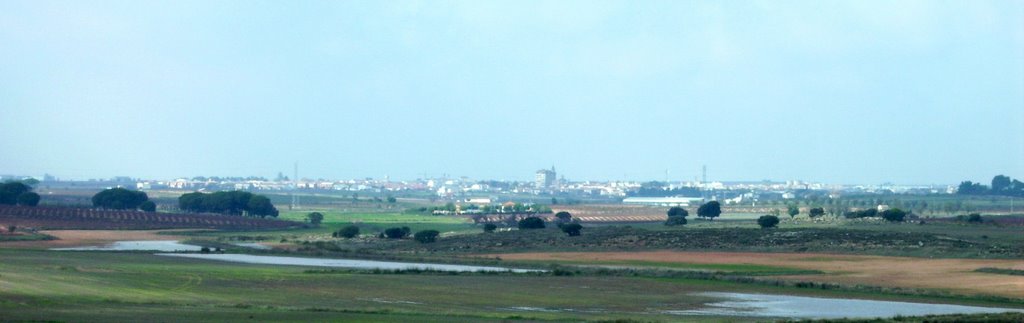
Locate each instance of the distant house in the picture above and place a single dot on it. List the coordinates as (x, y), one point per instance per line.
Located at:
(180, 183)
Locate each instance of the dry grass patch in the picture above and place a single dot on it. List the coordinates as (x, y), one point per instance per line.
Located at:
(955, 275)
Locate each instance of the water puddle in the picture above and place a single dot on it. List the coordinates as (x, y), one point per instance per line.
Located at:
(145, 245)
(341, 263)
(762, 305)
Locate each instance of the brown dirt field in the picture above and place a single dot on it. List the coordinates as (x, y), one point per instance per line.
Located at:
(955, 275)
(74, 238)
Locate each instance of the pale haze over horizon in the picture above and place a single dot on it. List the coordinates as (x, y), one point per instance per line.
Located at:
(858, 92)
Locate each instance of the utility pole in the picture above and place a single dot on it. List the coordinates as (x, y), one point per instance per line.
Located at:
(295, 186)
(704, 182)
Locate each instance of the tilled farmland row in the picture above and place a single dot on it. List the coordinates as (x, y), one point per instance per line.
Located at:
(92, 219)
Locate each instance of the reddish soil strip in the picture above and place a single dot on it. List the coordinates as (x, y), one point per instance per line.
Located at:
(74, 238)
(956, 275)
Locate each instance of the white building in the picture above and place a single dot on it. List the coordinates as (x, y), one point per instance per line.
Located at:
(662, 201)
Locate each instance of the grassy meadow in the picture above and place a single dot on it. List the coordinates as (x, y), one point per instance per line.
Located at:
(106, 286)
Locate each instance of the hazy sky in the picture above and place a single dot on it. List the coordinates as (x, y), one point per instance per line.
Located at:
(837, 91)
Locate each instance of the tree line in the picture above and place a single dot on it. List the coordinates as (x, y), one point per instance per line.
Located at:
(1001, 185)
(18, 193)
(228, 202)
(122, 199)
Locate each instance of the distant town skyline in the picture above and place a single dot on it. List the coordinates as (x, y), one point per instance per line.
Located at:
(536, 177)
(851, 92)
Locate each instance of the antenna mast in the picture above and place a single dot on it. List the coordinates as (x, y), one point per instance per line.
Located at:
(295, 186)
(704, 182)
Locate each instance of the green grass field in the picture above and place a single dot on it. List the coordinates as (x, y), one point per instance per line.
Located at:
(98, 286)
(47, 285)
(736, 269)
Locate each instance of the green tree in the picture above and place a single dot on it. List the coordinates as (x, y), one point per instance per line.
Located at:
(793, 210)
(191, 202)
(347, 232)
(315, 218)
(119, 199)
(675, 220)
(490, 227)
(816, 212)
(677, 211)
(563, 216)
(1000, 183)
(392, 199)
(396, 233)
(676, 216)
(148, 206)
(894, 215)
(426, 236)
(971, 188)
(767, 221)
(974, 218)
(10, 191)
(710, 210)
(573, 229)
(260, 206)
(531, 223)
(28, 199)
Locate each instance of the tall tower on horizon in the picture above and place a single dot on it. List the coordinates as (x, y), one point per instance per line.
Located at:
(703, 182)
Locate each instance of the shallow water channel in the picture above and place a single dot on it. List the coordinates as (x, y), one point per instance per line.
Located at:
(338, 263)
(764, 305)
(145, 245)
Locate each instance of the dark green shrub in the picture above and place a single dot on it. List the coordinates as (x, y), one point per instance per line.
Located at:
(397, 233)
(675, 220)
(490, 227)
(768, 221)
(531, 223)
(894, 215)
(678, 211)
(426, 236)
(563, 216)
(347, 232)
(315, 217)
(816, 212)
(573, 229)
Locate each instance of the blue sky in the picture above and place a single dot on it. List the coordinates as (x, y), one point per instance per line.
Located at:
(913, 92)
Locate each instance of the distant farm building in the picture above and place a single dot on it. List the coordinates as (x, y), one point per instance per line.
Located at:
(478, 200)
